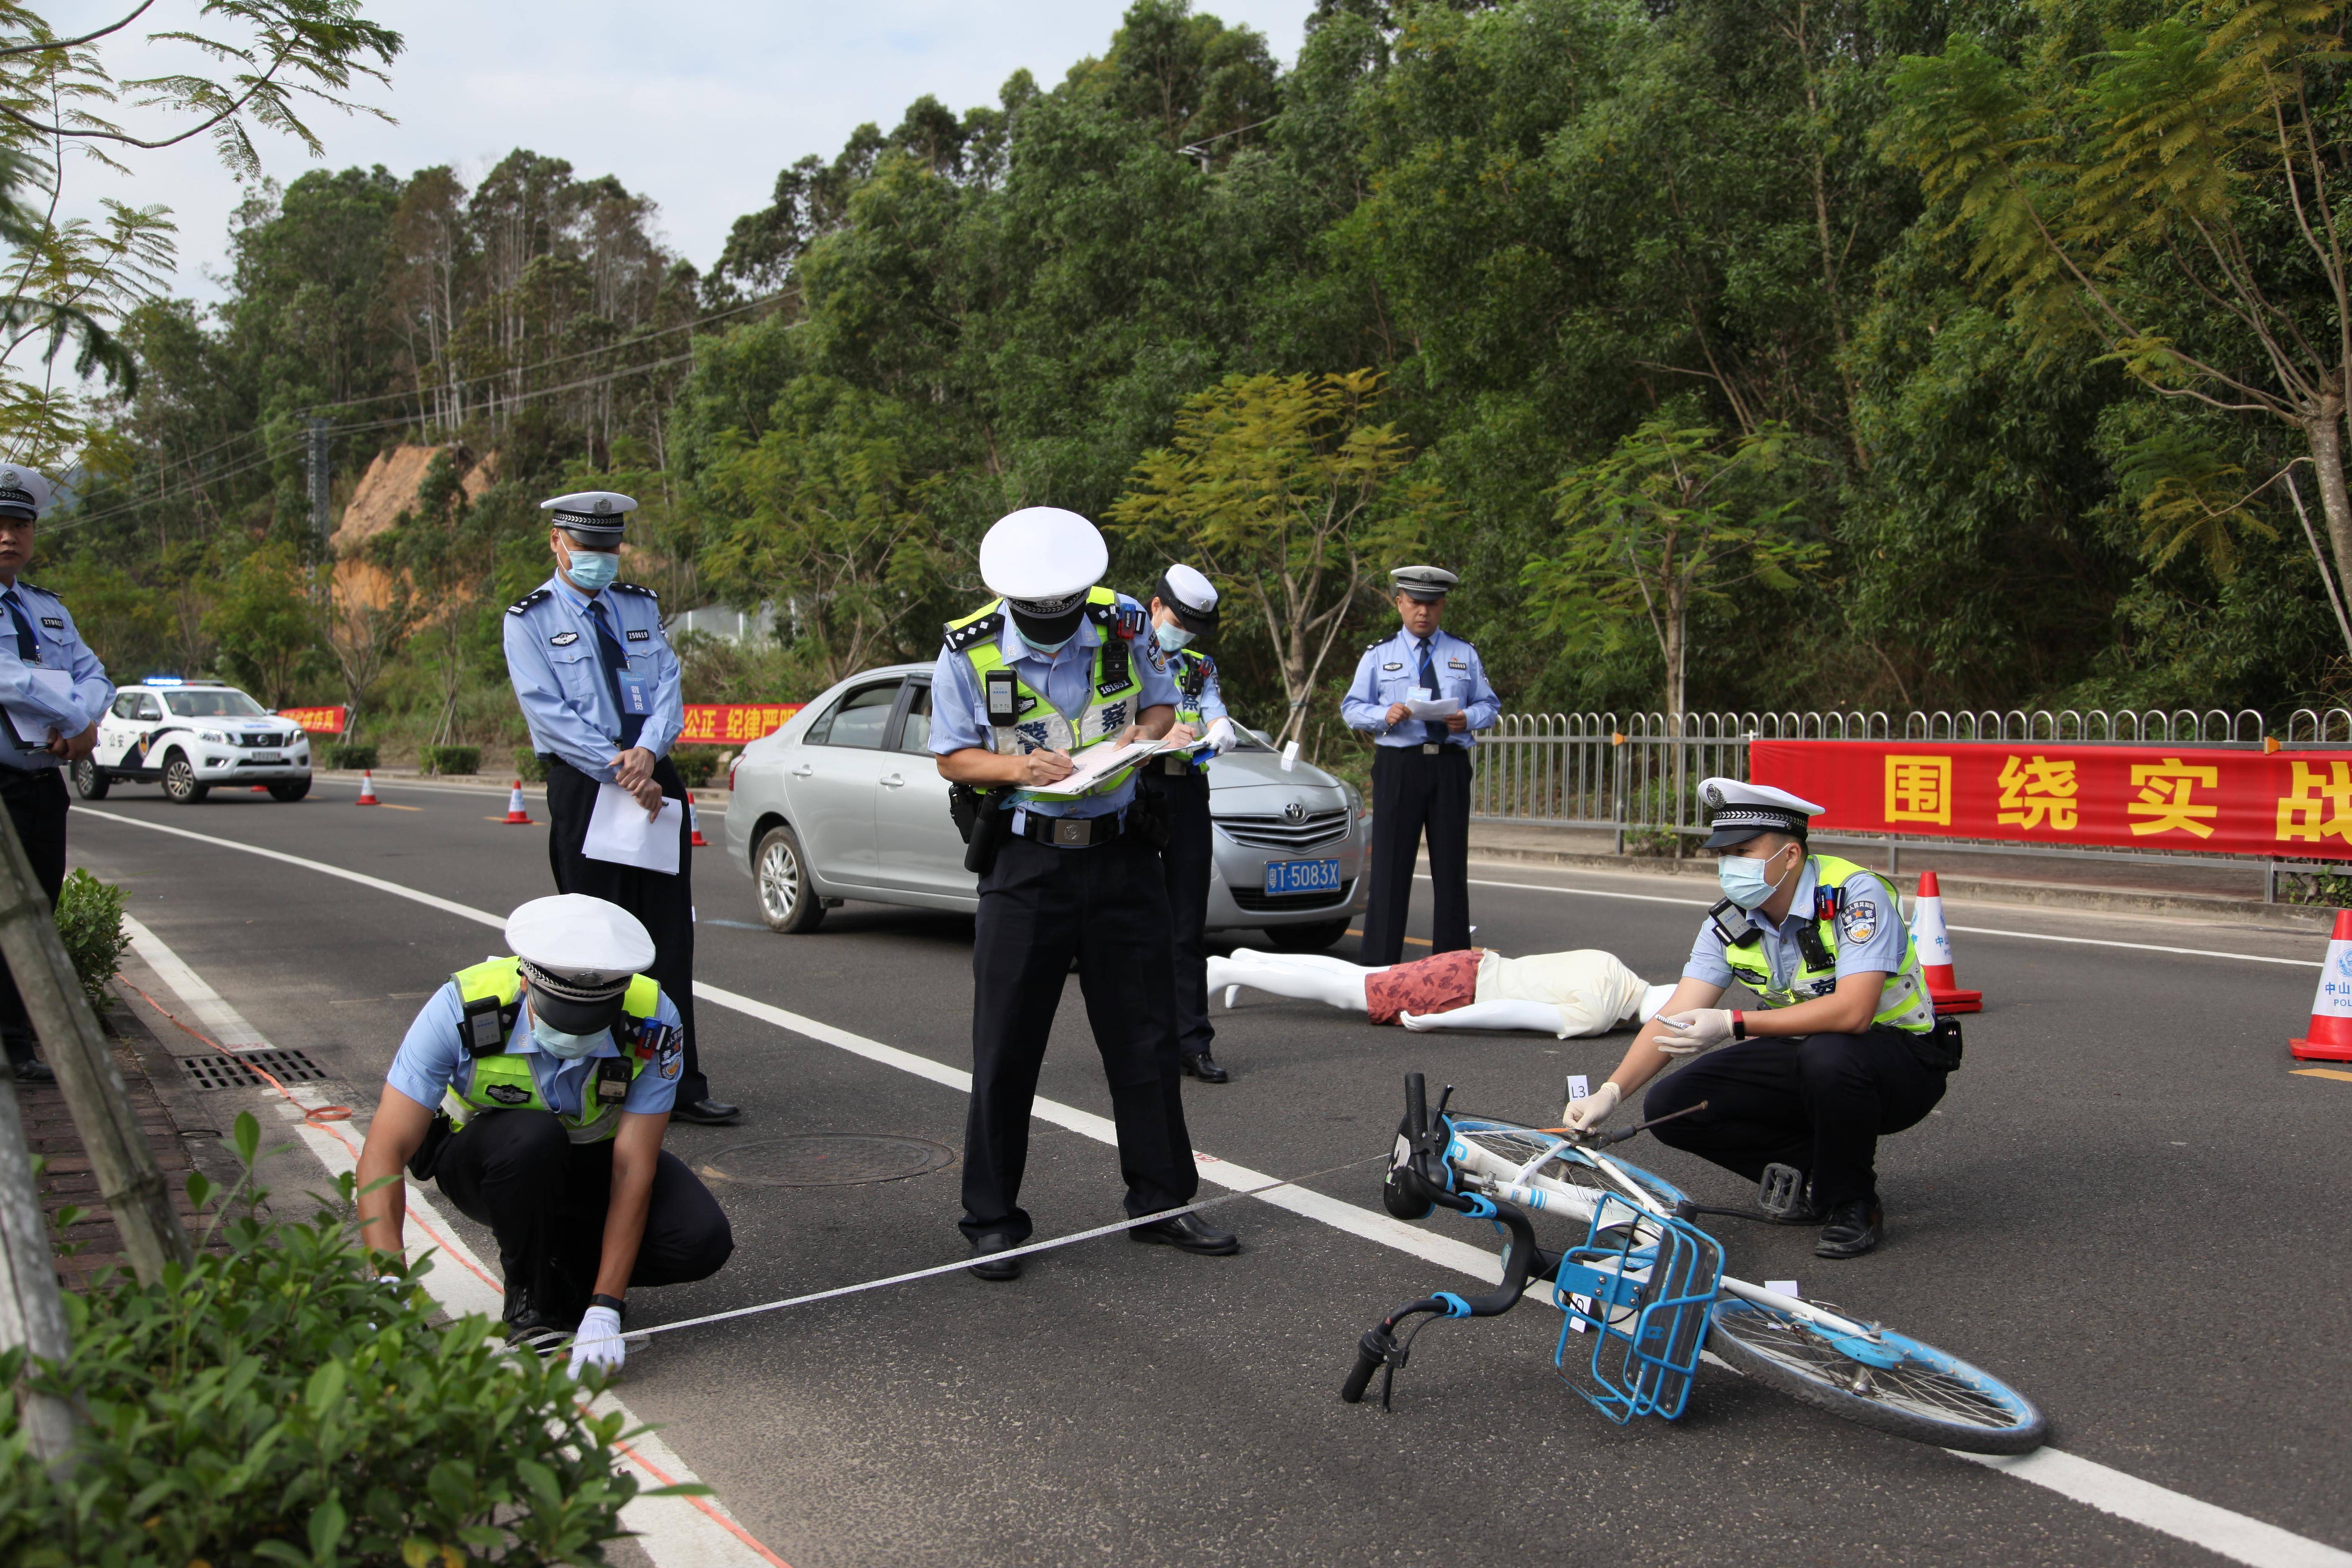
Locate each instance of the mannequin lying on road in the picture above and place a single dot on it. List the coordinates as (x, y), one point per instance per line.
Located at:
(1567, 994)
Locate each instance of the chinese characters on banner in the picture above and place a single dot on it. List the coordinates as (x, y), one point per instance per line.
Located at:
(2160, 797)
(318, 720)
(732, 724)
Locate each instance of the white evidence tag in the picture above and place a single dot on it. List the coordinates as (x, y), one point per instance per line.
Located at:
(1583, 1304)
(1786, 1288)
(1579, 1086)
(1290, 756)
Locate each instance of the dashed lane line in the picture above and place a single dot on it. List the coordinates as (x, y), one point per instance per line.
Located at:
(2236, 1536)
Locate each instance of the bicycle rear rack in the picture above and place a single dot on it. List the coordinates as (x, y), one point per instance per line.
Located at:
(1644, 1307)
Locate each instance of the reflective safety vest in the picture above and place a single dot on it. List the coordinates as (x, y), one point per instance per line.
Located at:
(1021, 720)
(1192, 670)
(1904, 1005)
(490, 993)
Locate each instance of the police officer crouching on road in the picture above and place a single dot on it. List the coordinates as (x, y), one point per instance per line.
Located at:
(1848, 1050)
(1421, 770)
(52, 690)
(599, 687)
(1184, 607)
(1052, 669)
(557, 1068)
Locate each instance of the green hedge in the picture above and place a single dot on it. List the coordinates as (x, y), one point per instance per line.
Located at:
(347, 755)
(90, 922)
(696, 764)
(530, 767)
(278, 1403)
(450, 759)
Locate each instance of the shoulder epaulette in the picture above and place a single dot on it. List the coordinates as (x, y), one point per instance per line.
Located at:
(528, 600)
(634, 588)
(37, 588)
(971, 633)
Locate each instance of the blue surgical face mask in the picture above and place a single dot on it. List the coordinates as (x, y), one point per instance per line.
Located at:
(556, 1042)
(1743, 880)
(1172, 637)
(593, 570)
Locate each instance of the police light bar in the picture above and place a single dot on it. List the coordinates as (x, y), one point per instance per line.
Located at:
(162, 680)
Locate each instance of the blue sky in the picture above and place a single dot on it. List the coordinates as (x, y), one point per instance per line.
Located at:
(695, 104)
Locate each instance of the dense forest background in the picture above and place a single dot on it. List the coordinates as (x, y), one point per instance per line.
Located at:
(1528, 237)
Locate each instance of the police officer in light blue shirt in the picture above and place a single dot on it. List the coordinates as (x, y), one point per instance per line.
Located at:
(52, 690)
(599, 687)
(1421, 767)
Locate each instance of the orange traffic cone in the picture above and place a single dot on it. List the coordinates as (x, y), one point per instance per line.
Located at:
(695, 822)
(367, 789)
(1935, 946)
(514, 812)
(2330, 1037)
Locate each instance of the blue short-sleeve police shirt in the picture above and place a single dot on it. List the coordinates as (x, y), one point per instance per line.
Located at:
(433, 1056)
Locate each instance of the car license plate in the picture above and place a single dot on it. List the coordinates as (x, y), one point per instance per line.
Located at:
(1302, 875)
(265, 757)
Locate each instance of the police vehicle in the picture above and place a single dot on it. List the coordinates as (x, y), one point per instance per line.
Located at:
(190, 735)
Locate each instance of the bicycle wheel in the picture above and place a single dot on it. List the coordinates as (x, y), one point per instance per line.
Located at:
(1905, 1388)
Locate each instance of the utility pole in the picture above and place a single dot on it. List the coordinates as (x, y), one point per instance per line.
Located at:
(322, 549)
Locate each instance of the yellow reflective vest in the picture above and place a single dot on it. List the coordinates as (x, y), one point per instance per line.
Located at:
(491, 993)
(1903, 1004)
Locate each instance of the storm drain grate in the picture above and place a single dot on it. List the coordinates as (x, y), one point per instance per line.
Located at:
(827, 1160)
(224, 1071)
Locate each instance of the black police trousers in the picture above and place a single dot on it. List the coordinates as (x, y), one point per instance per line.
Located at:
(544, 1197)
(1184, 873)
(1039, 907)
(665, 904)
(37, 806)
(1818, 1102)
(1412, 791)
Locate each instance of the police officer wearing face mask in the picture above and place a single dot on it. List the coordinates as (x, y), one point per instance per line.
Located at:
(1847, 1049)
(1184, 607)
(535, 1091)
(1026, 686)
(599, 687)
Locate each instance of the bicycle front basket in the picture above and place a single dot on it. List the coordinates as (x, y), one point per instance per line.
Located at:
(1641, 1294)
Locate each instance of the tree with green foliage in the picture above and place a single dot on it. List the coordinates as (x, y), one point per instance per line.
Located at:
(263, 621)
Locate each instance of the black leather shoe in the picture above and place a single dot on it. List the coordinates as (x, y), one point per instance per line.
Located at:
(1204, 1068)
(1187, 1232)
(527, 1319)
(994, 1268)
(32, 1071)
(706, 1113)
(1855, 1226)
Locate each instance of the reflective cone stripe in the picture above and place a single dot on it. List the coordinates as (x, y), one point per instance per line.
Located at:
(367, 789)
(514, 812)
(695, 822)
(1935, 947)
(2330, 1036)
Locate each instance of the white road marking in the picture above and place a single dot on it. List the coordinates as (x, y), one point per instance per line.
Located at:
(2218, 1529)
(228, 1027)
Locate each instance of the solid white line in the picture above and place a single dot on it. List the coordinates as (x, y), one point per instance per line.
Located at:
(2218, 1529)
(227, 1025)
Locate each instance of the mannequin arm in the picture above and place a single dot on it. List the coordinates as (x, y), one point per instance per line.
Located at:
(1539, 1017)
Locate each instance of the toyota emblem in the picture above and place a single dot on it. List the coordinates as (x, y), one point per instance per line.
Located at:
(1296, 811)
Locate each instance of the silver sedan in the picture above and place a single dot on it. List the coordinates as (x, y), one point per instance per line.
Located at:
(845, 802)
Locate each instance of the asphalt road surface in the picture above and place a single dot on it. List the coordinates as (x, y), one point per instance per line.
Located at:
(2126, 1205)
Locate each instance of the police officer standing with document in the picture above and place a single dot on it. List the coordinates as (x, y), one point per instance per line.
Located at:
(599, 687)
(52, 688)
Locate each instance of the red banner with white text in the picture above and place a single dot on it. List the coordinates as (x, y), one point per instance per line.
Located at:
(2138, 797)
(318, 720)
(732, 724)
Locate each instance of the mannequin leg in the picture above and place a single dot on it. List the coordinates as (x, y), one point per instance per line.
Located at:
(1283, 976)
(1539, 1017)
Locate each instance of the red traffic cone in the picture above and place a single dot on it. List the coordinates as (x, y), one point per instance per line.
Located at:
(2330, 1037)
(514, 812)
(695, 822)
(367, 789)
(1935, 946)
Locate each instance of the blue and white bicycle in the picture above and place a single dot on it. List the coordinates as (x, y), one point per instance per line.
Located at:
(1647, 1294)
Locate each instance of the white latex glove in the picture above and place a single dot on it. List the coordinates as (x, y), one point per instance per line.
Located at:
(1688, 1034)
(598, 1342)
(1222, 736)
(1586, 1115)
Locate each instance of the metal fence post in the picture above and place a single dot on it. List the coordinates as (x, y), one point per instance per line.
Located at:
(31, 1313)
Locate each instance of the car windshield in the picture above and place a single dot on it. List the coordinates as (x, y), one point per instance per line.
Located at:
(213, 704)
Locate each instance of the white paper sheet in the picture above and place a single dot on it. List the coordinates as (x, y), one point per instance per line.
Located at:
(1443, 708)
(34, 726)
(618, 831)
(1096, 763)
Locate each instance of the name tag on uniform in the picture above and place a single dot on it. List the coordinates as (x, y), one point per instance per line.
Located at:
(1458, 664)
(564, 639)
(54, 623)
(635, 696)
(639, 635)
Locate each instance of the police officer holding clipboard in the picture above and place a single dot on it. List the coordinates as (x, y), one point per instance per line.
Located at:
(599, 687)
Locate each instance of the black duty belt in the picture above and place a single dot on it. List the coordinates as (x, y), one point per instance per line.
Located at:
(1069, 832)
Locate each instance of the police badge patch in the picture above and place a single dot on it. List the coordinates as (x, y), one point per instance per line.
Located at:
(564, 639)
(1860, 920)
(508, 1094)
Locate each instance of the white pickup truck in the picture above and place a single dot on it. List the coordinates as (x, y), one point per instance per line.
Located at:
(189, 736)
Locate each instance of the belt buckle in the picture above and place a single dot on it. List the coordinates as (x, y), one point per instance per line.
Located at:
(1176, 767)
(1430, 748)
(1073, 831)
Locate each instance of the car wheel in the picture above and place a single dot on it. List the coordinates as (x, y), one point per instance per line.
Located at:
(1306, 939)
(293, 791)
(781, 871)
(180, 783)
(91, 780)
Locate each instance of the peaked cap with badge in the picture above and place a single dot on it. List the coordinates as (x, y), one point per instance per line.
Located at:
(1043, 559)
(594, 518)
(1738, 812)
(1192, 596)
(25, 494)
(579, 955)
(1425, 584)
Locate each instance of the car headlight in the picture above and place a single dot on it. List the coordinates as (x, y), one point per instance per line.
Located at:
(215, 736)
(1355, 801)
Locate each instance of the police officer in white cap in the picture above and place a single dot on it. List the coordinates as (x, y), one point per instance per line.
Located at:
(1846, 1050)
(1183, 609)
(52, 690)
(599, 687)
(1421, 767)
(1053, 669)
(535, 1090)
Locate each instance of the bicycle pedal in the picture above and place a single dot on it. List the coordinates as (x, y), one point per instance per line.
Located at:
(1781, 1191)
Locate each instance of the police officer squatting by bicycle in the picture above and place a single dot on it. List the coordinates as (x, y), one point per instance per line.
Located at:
(1421, 767)
(1024, 687)
(599, 686)
(1847, 1050)
(53, 691)
(535, 1090)
(1183, 608)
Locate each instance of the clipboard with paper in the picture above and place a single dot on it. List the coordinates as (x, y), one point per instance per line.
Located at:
(1100, 768)
(29, 726)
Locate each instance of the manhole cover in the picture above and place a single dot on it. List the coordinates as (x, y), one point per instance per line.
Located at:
(828, 1160)
(226, 1070)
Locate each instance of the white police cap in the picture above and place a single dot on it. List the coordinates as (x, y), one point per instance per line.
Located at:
(1422, 582)
(578, 953)
(25, 494)
(1738, 811)
(1041, 555)
(595, 518)
(1193, 596)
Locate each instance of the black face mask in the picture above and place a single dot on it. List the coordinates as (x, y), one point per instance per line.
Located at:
(1048, 629)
